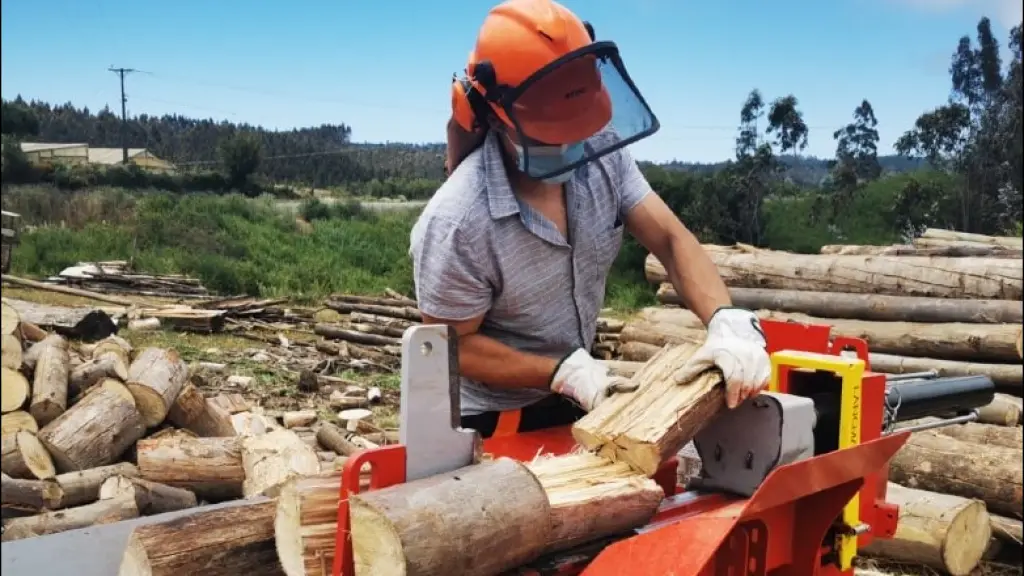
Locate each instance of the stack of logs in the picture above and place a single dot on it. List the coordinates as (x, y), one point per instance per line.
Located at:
(94, 433)
(949, 305)
(372, 329)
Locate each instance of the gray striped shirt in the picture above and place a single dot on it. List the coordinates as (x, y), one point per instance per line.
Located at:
(477, 249)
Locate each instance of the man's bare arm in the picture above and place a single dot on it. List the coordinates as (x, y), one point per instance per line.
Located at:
(690, 269)
(486, 360)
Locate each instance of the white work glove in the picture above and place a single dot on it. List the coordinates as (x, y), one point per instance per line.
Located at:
(736, 345)
(586, 381)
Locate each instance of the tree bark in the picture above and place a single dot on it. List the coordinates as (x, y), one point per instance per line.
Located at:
(645, 427)
(155, 379)
(1004, 410)
(985, 434)
(23, 497)
(984, 278)
(1006, 377)
(50, 383)
(66, 290)
(192, 411)
(945, 532)
(30, 333)
(306, 524)
(488, 517)
(23, 456)
(83, 487)
(340, 333)
(150, 497)
(1009, 530)
(950, 250)
(17, 421)
(113, 345)
(14, 390)
(334, 438)
(957, 341)
(88, 324)
(397, 311)
(100, 512)
(873, 307)
(223, 542)
(96, 431)
(955, 236)
(591, 497)
(274, 458)
(298, 418)
(94, 371)
(209, 467)
(939, 463)
(31, 356)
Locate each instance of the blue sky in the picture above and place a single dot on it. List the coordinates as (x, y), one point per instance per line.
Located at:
(384, 67)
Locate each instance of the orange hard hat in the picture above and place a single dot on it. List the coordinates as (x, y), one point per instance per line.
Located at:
(527, 67)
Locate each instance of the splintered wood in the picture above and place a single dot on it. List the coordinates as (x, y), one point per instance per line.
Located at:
(306, 524)
(591, 497)
(650, 425)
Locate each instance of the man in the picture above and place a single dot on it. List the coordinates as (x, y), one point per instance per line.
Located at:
(514, 250)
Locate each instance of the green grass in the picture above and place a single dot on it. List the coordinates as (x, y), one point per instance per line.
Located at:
(234, 244)
(239, 245)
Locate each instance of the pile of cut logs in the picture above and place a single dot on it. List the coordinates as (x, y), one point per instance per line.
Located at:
(372, 328)
(116, 277)
(954, 315)
(950, 305)
(97, 432)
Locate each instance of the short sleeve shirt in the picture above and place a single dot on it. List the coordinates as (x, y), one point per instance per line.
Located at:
(477, 249)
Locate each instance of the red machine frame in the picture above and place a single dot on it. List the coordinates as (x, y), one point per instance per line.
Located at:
(782, 529)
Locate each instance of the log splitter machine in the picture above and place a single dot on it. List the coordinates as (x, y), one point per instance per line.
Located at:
(792, 481)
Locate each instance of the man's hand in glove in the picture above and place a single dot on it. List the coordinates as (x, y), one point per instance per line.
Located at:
(585, 380)
(736, 345)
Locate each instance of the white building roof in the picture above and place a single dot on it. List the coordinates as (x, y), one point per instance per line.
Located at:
(37, 146)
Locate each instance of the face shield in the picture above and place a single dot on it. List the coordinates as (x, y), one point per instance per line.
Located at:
(573, 111)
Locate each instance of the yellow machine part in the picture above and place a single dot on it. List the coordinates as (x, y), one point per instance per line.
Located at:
(851, 373)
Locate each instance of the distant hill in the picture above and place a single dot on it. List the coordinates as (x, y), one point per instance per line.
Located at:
(804, 170)
(318, 156)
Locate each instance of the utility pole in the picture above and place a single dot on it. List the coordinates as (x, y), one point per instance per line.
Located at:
(124, 111)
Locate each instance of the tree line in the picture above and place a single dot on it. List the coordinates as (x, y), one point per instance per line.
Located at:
(960, 162)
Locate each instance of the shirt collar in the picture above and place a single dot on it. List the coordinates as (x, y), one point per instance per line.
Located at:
(500, 198)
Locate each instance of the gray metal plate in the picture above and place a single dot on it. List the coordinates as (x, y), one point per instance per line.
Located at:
(429, 415)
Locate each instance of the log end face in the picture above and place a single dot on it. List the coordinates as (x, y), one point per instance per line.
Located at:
(967, 539)
(36, 457)
(17, 421)
(149, 403)
(376, 545)
(15, 389)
